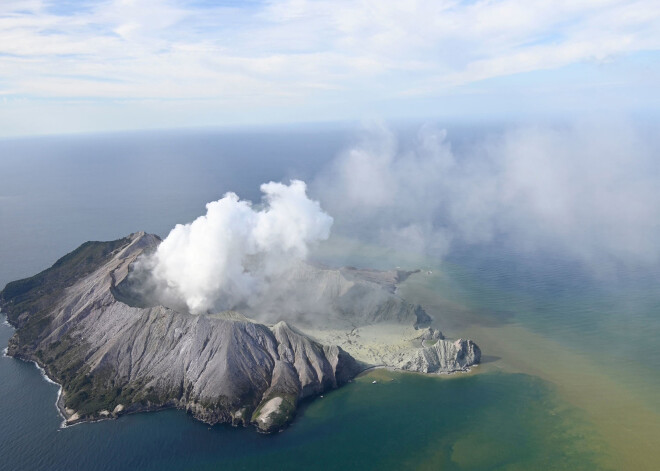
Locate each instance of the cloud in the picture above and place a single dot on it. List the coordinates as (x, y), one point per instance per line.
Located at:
(380, 190)
(589, 190)
(227, 257)
(178, 50)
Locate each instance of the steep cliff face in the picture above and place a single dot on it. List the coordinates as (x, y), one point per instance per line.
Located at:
(444, 356)
(112, 358)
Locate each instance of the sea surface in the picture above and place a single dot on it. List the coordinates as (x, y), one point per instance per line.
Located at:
(571, 371)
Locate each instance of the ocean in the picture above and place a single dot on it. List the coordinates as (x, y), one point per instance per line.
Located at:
(571, 370)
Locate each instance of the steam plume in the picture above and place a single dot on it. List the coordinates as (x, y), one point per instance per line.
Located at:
(225, 257)
(588, 191)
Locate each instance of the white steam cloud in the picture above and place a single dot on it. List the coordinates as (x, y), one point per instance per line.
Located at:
(590, 191)
(224, 258)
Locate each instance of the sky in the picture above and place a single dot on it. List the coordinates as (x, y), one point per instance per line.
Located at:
(69, 66)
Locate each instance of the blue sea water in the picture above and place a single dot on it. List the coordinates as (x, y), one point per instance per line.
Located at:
(56, 193)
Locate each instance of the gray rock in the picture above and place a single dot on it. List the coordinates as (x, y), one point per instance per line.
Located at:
(443, 357)
(431, 334)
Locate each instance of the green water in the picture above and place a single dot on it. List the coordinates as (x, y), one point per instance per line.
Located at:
(406, 421)
(593, 340)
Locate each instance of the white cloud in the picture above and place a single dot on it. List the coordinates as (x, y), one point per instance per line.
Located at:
(312, 52)
(589, 190)
(228, 256)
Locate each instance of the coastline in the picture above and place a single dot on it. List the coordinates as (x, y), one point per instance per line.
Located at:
(42, 370)
(440, 374)
(59, 392)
